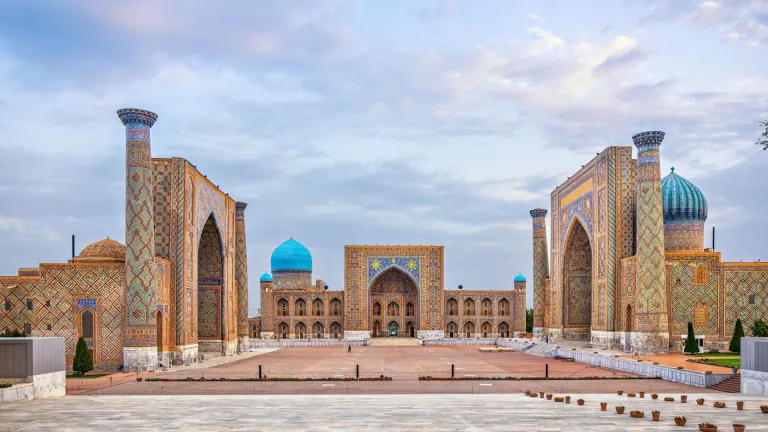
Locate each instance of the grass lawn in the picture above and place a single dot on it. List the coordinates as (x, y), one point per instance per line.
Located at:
(86, 376)
(718, 354)
(732, 362)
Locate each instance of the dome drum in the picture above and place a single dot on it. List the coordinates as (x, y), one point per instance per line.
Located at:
(685, 211)
(102, 251)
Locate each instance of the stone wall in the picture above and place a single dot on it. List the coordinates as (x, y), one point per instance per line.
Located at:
(288, 343)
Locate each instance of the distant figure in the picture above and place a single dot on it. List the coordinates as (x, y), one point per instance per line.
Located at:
(547, 338)
(349, 348)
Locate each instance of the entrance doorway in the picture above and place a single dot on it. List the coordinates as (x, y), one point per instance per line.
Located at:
(577, 272)
(410, 330)
(394, 297)
(393, 329)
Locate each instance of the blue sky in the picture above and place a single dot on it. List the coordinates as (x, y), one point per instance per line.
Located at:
(376, 122)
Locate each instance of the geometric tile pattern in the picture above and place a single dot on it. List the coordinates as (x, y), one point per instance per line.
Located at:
(209, 298)
(685, 296)
(742, 282)
(577, 278)
(139, 228)
(540, 265)
(377, 265)
(241, 269)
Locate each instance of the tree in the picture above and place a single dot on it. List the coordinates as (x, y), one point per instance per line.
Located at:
(763, 140)
(760, 329)
(529, 320)
(738, 333)
(691, 347)
(83, 361)
(12, 333)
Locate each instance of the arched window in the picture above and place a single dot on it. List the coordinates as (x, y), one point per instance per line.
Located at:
(86, 325)
(377, 309)
(453, 307)
(469, 307)
(393, 309)
(336, 330)
(317, 308)
(301, 330)
(452, 329)
(282, 307)
(282, 331)
(487, 309)
(503, 307)
(469, 329)
(504, 330)
(486, 329)
(317, 330)
(335, 307)
(301, 307)
(409, 309)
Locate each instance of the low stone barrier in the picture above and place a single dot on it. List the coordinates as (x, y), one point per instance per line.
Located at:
(462, 341)
(35, 366)
(754, 366)
(288, 343)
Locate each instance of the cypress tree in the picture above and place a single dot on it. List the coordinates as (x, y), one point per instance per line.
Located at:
(691, 347)
(735, 345)
(83, 361)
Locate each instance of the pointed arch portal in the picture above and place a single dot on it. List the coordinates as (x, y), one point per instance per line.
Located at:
(394, 294)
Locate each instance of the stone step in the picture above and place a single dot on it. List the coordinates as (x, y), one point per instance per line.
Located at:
(731, 385)
(393, 341)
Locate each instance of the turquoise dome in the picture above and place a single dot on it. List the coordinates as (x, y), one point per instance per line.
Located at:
(683, 201)
(266, 277)
(519, 278)
(291, 256)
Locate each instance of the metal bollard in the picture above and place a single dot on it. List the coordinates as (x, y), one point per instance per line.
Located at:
(452, 370)
(259, 371)
(357, 371)
(546, 370)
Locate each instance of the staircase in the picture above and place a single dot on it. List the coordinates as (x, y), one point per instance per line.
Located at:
(731, 385)
(393, 341)
(541, 350)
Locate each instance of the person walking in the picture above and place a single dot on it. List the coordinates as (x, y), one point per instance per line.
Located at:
(349, 348)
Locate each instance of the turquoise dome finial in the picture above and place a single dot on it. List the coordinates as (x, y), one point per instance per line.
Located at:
(683, 201)
(291, 255)
(520, 278)
(266, 277)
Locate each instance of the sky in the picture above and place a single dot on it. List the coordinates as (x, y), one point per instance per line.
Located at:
(376, 122)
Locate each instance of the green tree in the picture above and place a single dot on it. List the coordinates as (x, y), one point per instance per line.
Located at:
(12, 333)
(738, 333)
(83, 361)
(691, 347)
(528, 320)
(760, 329)
(763, 140)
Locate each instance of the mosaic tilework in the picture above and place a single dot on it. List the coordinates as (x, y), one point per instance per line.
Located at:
(540, 264)
(579, 300)
(741, 282)
(651, 296)
(376, 265)
(683, 236)
(209, 201)
(393, 286)
(685, 295)
(139, 228)
(241, 269)
(161, 172)
(578, 278)
(163, 298)
(180, 284)
(209, 258)
(208, 310)
(495, 318)
(580, 209)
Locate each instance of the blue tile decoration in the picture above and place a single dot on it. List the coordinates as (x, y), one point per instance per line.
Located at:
(86, 303)
(410, 265)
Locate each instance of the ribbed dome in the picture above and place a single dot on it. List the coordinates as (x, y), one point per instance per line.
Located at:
(266, 277)
(683, 201)
(106, 250)
(291, 255)
(520, 278)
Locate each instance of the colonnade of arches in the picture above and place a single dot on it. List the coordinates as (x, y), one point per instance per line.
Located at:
(318, 307)
(469, 330)
(470, 308)
(300, 331)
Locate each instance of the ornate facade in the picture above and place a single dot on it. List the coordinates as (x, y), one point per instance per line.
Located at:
(176, 289)
(627, 261)
(389, 291)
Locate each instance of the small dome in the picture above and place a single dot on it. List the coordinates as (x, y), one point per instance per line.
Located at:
(291, 256)
(266, 277)
(106, 250)
(520, 278)
(683, 201)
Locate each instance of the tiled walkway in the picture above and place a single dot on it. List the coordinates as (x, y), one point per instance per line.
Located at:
(370, 413)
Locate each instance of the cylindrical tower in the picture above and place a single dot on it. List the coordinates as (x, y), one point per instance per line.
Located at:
(540, 269)
(519, 296)
(268, 307)
(685, 211)
(241, 276)
(650, 334)
(140, 341)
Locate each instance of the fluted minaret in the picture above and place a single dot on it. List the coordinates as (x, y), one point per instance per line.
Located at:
(140, 337)
(651, 321)
(519, 296)
(268, 307)
(241, 276)
(540, 268)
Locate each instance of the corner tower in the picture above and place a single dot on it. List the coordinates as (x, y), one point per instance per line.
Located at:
(652, 333)
(140, 337)
(540, 269)
(241, 276)
(518, 306)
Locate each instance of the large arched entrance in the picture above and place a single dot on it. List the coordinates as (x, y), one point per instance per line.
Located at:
(210, 265)
(393, 293)
(577, 282)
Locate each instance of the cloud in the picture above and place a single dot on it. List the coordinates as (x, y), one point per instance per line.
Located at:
(26, 229)
(438, 12)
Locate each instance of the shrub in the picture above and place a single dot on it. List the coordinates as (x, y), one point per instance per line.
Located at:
(738, 333)
(691, 347)
(83, 362)
(12, 333)
(760, 329)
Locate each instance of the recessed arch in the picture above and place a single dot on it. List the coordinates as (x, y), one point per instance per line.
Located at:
(469, 306)
(487, 329)
(577, 283)
(318, 330)
(452, 306)
(452, 330)
(469, 329)
(335, 330)
(210, 285)
(394, 294)
(283, 330)
(300, 330)
(504, 307)
(503, 329)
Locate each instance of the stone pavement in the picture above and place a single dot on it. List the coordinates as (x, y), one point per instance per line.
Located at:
(370, 413)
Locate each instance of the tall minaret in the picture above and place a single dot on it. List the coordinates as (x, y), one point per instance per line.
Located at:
(140, 337)
(651, 332)
(540, 269)
(241, 276)
(519, 300)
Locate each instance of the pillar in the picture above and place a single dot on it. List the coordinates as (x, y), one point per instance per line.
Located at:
(268, 308)
(241, 276)
(518, 326)
(140, 336)
(540, 269)
(651, 322)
